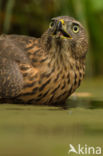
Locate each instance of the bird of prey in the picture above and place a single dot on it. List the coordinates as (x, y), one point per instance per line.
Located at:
(45, 70)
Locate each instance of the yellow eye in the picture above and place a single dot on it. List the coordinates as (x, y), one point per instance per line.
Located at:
(75, 28)
(51, 24)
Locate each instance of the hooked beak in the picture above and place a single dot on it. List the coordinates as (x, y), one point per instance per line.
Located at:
(60, 30)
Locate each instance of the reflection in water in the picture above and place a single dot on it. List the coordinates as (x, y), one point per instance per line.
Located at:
(47, 130)
(70, 103)
(84, 103)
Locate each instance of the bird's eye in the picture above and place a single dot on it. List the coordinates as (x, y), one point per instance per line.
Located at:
(51, 24)
(75, 28)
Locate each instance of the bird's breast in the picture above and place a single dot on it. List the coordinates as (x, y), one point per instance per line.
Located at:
(48, 84)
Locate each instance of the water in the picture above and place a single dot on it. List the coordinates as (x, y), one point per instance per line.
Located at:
(48, 131)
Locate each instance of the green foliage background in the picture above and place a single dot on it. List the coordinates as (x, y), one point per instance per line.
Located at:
(31, 17)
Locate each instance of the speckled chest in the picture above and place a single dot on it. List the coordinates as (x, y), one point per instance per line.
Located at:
(50, 85)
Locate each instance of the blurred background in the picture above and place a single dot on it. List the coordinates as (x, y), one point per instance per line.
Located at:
(28, 130)
(31, 17)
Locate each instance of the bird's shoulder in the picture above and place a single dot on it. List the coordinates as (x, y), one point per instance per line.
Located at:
(22, 41)
(18, 46)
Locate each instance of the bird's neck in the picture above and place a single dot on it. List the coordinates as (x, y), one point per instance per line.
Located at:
(59, 54)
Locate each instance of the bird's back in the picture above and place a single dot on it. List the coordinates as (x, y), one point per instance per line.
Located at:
(16, 66)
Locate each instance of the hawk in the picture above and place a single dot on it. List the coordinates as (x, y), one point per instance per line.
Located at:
(45, 70)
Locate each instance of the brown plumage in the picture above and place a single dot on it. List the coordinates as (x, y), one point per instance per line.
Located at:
(45, 70)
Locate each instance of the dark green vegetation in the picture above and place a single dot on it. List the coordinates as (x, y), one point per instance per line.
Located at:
(31, 17)
(33, 130)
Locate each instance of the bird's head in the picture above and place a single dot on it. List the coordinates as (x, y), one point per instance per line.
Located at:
(66, 34)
